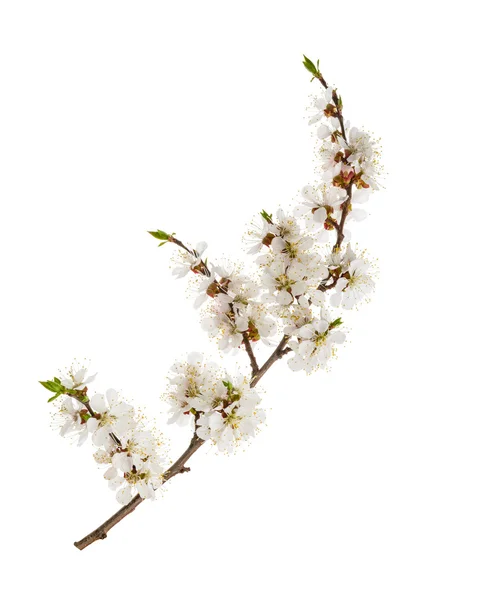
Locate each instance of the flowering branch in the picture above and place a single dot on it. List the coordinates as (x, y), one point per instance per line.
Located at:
(289, 306)
(179, 466)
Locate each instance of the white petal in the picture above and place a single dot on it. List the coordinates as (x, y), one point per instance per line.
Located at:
(110, 473)
(296, 363)
(323, 236)
(317, 297)
(92, 424)
(90, 379)
(195, 359)
(100, 436)
(337, 337)
(309, 193)
(143, 489)
(112, 396)
(116, 482)
(83, 436)
(306, 348)
(321, 103)
(315, 118)
(278, 244)
(323, 132)
(98, 403)
(125, 423)
(300, 210)
(322, 326)
(320, 215)
(200, 300)
(306, 332)
(335, 300)
(201, 247)
(361, 196)
(79, 376)
(122, 462)
(358, 214)
(124, 495)
(299, 288)
(284, 298)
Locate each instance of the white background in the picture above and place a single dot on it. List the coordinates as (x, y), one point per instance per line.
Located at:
(117, 117)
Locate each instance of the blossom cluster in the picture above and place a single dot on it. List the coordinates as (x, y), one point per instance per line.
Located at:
(347, 154)
(299, 282)
(222, 407)
(130, 452)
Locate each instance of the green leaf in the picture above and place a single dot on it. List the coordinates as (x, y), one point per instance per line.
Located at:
(54, 397)
(266, 216)
(309, 65)
(159, 235)
(228, 385)
(335, 323)
(52, 386)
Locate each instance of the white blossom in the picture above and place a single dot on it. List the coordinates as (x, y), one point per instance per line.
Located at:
(319, 106)
(188, 261)
(222, 323)
(259, 234)
(75, 416)
(353, 286)
(143, 482)
(77, 379)
(187, 379)
(315, 343)
(112, 417)
(364, 155)
(234, 417)
(319, 205)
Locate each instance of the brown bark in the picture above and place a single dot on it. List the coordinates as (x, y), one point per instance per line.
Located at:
(100, 533)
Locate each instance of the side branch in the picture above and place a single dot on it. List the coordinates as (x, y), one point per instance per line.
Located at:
(101, 532)
(278, 353)
(250, 352)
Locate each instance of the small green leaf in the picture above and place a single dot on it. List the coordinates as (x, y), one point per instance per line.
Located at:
(52, 386)
(228, 385)
(266, 216)
(309, 65)
(54, 397)
(335, 323)
(159, 235)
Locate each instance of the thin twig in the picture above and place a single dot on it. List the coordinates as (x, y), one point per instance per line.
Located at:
(250, 352)
(278, 353)
(100, 533)
(339, 227)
